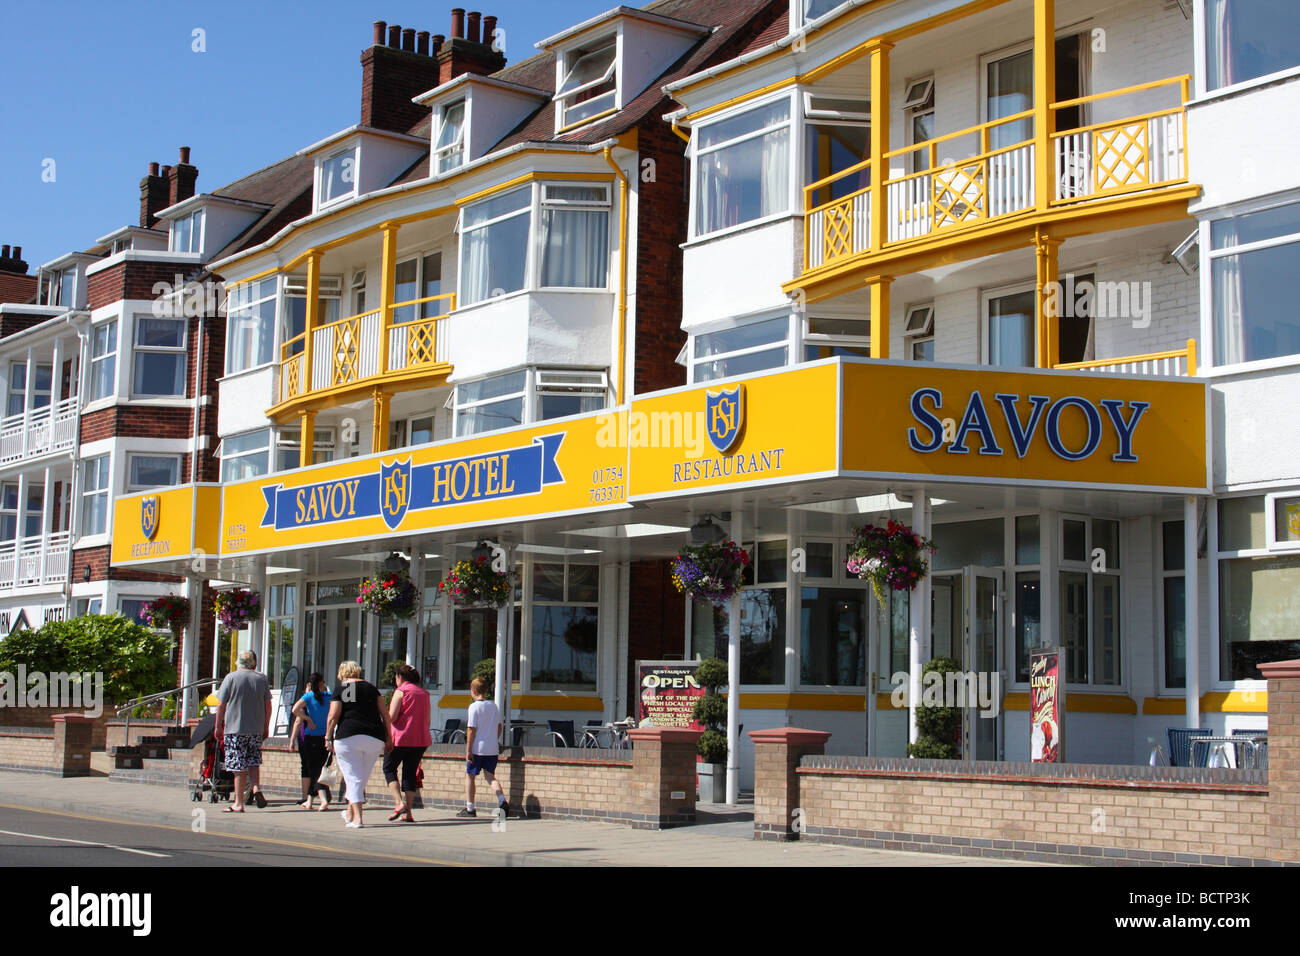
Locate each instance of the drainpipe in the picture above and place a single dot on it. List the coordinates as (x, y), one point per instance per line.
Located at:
(623, 190)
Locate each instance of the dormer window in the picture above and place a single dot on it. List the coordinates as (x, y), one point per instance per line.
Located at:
(338, 176)
(590, 85)
(806, 11)
(187, 233)
(449, 147)
(61, 288)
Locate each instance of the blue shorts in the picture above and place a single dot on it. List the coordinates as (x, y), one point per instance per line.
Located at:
(485, 762)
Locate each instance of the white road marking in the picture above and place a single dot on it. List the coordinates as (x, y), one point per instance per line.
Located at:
(107, 846)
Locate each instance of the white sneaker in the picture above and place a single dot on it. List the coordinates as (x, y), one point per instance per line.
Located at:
(354, 826)
(346, 818)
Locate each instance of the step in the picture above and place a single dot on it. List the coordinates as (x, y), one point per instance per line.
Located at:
(127, 758)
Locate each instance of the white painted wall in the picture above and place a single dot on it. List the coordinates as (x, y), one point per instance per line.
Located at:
(243, 399)
(1253, 440)
(538, 328)
(740, 272)
(1237, 151)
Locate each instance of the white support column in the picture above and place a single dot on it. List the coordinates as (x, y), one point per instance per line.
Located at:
(1191, 612)
(257, 639)
(21, 531)
(733, 678)
(415, 636)
(27, 405)
(190, 646)
(505, 628)
(918, 640)
(47, 513)
(56, 380)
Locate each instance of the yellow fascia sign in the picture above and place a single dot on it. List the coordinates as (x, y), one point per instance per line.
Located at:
(1025, 426)
(555, 468)
(166, 525)
(769, 428)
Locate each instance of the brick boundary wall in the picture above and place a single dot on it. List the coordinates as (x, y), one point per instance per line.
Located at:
(1067, 813)
(42, 718)
(62, 751)
(633, 788)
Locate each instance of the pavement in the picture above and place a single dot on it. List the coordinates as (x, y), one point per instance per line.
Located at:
(124, 816)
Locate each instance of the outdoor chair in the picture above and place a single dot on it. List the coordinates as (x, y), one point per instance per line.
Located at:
(560, 732)
(1255, 755)
(1180, 745)
(449, 731)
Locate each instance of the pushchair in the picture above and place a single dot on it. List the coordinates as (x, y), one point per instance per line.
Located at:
(214, 779)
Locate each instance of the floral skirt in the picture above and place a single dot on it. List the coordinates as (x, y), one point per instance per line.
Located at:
(241, 751)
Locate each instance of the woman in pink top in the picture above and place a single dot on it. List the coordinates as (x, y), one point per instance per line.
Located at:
(409, 712)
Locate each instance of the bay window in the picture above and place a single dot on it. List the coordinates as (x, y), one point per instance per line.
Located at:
(103, 360)
(1252, 260)
(490, 403)
(1247, 39)
(590, 84)
(245, 456)
(740, 350)
(742, 168)
(562, 392)
(494, 245)
(160, 358)
(449, 145)
(250, 325)
(575, 236)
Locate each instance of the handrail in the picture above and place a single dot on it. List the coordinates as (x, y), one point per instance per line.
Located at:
(958, 163)
(833, 177)
(139, 701)
(1189, 352)
(977, 128)
(451, 296)
(1184, 80)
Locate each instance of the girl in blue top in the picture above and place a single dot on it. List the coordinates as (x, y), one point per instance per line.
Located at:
(308, 736)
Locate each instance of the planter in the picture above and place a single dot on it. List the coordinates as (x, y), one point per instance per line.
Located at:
(713, 782)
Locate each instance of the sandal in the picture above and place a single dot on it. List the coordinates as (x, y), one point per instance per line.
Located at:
(233, 810)
(260, 799)
(395, 814)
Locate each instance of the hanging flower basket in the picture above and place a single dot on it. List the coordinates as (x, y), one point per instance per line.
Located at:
(712, 572)
(170, 612)
(237, 609)
(581, 635)
(391, 594)
(889, 557)
(474, 584)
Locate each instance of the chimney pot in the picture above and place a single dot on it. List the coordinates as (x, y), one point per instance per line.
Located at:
(438, 40)
(471, 28)
(422, 43)
(380, 28)
(4, 252)
(166, 171)
(408, 39)
(153, 169)
(489, 30)
(457, 23)
(18, 252)
(394, 35)
(185, 155)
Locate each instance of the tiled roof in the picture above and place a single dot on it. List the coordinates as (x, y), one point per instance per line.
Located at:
(20, 290)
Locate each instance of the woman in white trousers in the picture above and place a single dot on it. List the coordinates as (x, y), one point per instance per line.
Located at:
(358, 732)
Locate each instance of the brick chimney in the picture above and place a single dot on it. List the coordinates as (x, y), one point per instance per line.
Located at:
(12, 261)
(153, 196)
(181, 178)
(403, 63)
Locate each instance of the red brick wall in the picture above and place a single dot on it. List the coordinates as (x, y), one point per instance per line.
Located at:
(661, 227)
(389, 79)
(131, 280)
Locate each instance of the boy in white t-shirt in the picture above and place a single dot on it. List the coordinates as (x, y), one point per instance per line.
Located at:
(481, 749)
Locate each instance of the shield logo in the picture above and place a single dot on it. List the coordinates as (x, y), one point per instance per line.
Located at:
(394, 492)
(149, 516)
(724, 415)
(1293, 518)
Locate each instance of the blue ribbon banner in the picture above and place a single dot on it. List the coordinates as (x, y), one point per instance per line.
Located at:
(399, 487)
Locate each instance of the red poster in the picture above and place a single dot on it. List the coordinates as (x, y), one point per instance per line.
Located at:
(1046, 705)
(668, 692)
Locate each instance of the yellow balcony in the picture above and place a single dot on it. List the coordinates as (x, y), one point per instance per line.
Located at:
(362, 352)
(1109, 174)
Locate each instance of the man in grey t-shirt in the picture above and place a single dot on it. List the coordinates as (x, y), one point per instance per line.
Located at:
(243, 722)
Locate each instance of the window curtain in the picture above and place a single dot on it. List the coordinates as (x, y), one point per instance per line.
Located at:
(575, 248)
(474, 265)
(776, 173)
(1010, 91)
(1219, 41)
(1229, 322)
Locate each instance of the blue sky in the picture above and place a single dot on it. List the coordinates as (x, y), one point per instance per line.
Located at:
(104, 88)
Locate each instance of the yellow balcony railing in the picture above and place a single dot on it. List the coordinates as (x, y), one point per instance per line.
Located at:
(348, 351)
(1175, 362)
(995, 179)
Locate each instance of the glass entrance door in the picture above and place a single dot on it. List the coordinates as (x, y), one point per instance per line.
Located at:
(965, 624)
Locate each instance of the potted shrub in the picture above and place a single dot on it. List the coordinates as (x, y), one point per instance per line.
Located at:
(711, 712)
(487, 669)
(938, 727)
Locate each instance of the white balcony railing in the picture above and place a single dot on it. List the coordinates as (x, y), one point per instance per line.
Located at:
(38, 431)
(35, 560)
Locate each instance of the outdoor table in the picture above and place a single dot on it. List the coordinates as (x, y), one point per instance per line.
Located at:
(1258, 746)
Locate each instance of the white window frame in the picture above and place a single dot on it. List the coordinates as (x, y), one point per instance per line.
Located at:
(799, 18)
(1209, 254)
(179, 352)
(794, 192)
(1201, 74)
(241, 299)
(813, 339)
(357, 292)
(528, 601)
(543, 201)
(87, 492)
(986, 334)
(459, 407)
(195, 223)
(914, 337)
(109, 358)
(915, 107)
(575, 381)
(422, 311)
(696, 360)
(462, 298)
(133, 457)
(265, 449)
(322, 175)
(568, 62)
(1063, 565)
(1270, 522)
(289, 440)
(458, 147)
(1164, 574)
